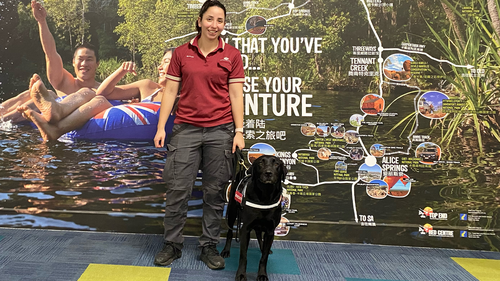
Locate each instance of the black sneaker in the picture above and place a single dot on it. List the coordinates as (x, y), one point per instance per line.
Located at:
(211, 257)
(167, 255)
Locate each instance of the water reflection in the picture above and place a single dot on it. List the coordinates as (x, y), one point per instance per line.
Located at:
(75, 181)
(71, 176)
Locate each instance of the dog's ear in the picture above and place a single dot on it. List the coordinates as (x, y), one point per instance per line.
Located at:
(284, 170)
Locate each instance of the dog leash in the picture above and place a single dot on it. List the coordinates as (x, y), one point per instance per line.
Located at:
(239, 161)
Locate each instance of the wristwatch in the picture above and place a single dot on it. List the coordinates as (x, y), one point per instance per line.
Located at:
(238, 130)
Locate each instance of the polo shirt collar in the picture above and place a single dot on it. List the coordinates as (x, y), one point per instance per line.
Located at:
(194, 42)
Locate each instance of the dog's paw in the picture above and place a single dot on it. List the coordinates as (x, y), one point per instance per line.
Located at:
(225, 253)
(262, 278)
(241, 277)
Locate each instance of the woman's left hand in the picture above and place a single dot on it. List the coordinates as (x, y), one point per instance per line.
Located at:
(238, 141)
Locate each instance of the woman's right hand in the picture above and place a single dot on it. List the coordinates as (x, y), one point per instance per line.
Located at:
(159, 138)
(129, 67)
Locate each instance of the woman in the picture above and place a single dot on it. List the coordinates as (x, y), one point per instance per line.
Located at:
(57, 119)
(208, 128)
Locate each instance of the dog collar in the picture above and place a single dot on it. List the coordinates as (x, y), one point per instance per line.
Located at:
(241, 190)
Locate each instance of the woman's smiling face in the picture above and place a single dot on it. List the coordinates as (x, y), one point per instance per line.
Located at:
(212, 23)
(163, 67)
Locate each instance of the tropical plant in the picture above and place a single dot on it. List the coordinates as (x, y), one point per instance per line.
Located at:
(477, 85)
(470, 42)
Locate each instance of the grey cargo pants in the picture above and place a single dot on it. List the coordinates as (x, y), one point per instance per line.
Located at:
(188, 147)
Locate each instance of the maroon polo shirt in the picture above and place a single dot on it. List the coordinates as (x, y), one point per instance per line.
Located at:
(204, 98)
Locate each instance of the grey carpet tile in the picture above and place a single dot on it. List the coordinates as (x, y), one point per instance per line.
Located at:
(37, 254)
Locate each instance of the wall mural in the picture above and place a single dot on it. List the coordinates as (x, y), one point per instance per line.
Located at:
(385, 112)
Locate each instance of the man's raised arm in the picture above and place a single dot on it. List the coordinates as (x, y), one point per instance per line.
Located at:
(57, 75)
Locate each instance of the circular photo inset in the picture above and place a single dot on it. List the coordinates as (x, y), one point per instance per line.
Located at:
(399, 186)
(356, 120)
(377, 150)
(259, 149)
(397, 67)
(356, 153)
(337, 131)
(308, 129)
(368, 173)
(372, 104)
(430, 105)
(377, 189)
(323, 131)
(324, 153)
(282, 229)
(351, 137)
(428, 152)
(256, 25)
(341, 166)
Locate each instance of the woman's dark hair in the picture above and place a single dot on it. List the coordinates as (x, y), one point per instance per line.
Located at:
(169, 50)
(204, 8)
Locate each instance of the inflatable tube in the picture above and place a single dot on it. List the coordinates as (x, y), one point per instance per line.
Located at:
(134, 121)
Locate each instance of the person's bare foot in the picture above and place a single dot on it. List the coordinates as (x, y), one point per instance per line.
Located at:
(45, 102)
(48, 131)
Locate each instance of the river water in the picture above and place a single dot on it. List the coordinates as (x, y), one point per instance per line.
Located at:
(117, 186)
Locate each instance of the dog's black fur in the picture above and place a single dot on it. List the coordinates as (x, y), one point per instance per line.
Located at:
(264, 188)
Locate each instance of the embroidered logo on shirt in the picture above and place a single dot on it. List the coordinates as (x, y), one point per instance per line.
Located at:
(226, 59)
(189, 56)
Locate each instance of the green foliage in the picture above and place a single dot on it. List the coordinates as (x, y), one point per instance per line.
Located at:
(317, 69)
(68, 16)
(108, 66)
(147, 24)
(478, 92)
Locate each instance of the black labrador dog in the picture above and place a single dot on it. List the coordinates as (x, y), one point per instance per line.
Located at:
(256, 203)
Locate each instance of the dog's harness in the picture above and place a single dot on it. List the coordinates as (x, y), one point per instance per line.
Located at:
(241, 190)
(241, 198)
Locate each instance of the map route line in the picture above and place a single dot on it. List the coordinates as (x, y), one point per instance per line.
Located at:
(291, 7)
(380, 47)
(371, 26)
(354, 207)
(363, 146)
(338, 153)
(397, 152)
(290, 10)
(319, 183)
(259, 8)
(317, 172)
(182, 36)
(345, 151)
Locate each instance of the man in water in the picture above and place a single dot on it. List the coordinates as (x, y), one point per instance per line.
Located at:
(85, 63)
